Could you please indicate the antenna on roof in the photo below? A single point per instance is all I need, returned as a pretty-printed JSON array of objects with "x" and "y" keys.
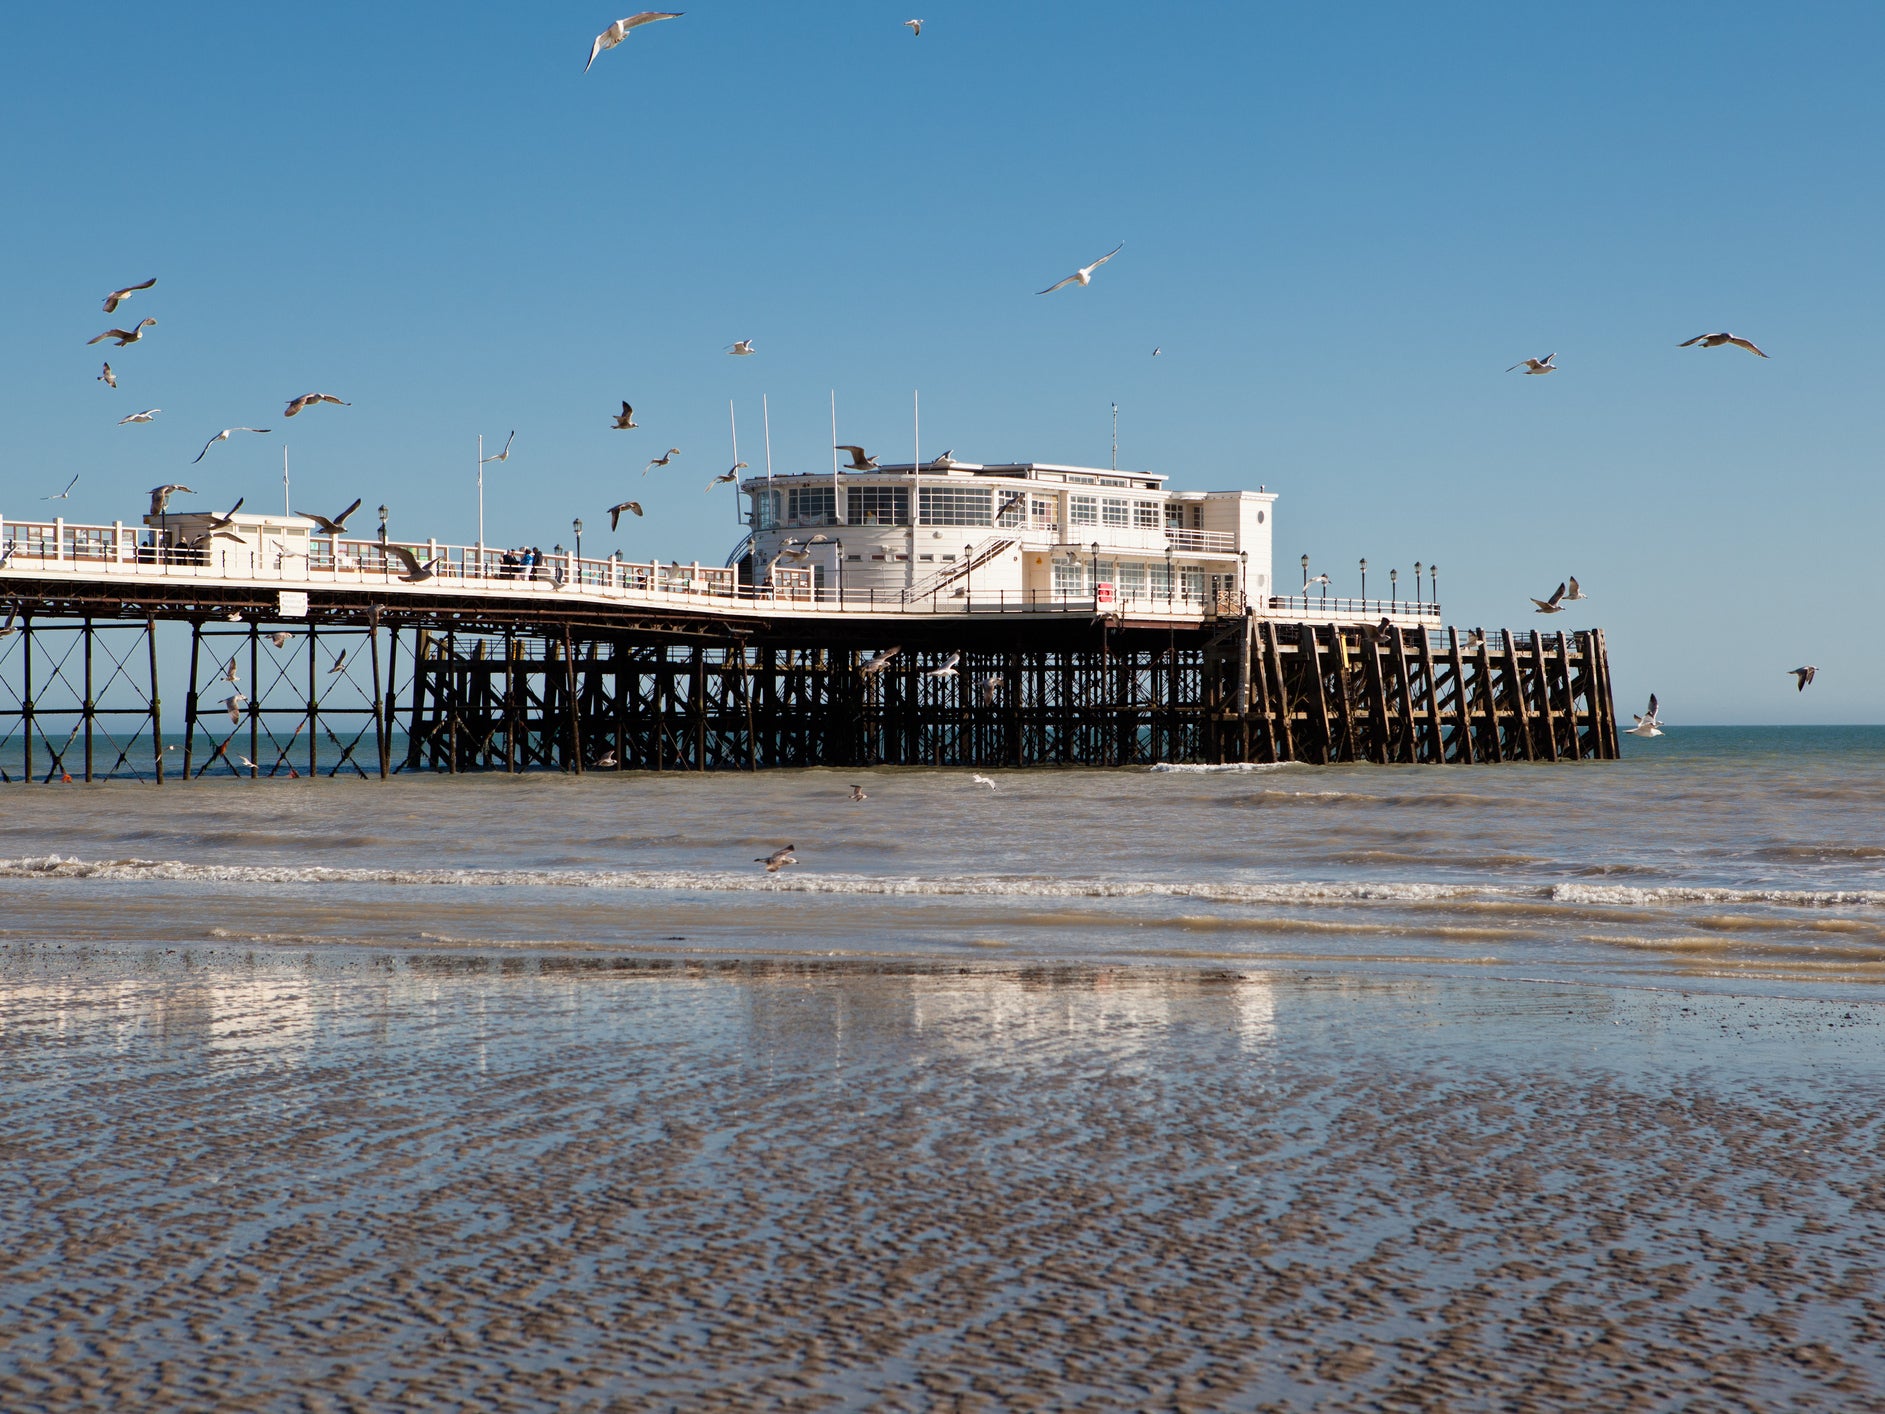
[
  {"x": 916, "y": 431},
  {"x": 285, "y": 508},
  {"x": 1115, "y": 436},
  {"x": 765, "y": 416},
  {"x": 837, "y": 493}
]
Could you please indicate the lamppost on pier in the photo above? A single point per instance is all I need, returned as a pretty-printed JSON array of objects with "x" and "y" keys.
[
  {"x": 1433, "y": 575},
  {"x": 1364, "y": 584},
  {"x": 1094, "y": 576},
  {"x": 1243, "y": 576},
  {"x": 577, "y": 526},
  {"x": 382, "y": 527},
  {"x": 839, "y": 562},
  {"x": 1417, "y": 600},
  {"x": 1394, "y": 581}
]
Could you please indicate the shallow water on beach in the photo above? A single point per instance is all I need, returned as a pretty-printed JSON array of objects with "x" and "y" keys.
[
  {"x": 1709, "y": 855},
  {"x": 1514, "y": 1087}
]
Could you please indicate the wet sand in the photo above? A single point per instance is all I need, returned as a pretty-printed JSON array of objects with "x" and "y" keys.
[{"x": 375, "y": 1179}]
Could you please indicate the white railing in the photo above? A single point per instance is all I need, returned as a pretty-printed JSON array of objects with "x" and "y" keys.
[
  {"x": 1326, "y": 608},
  {"x": 1208, "y": 542}
]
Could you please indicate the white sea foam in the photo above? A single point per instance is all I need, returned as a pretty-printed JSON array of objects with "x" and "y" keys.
[
  {"x": 974, "y": 886},
  {"x": 1180, "y": 768}
]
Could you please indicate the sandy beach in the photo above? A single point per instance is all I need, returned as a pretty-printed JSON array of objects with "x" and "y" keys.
[{"x": 378, "y": 1179}]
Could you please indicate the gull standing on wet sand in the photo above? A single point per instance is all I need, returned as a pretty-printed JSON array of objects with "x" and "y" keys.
[
  {"x": 778, "y": 859},
  {"x": 619, "y": 31},
  {"x": 1084, "y": 275}
]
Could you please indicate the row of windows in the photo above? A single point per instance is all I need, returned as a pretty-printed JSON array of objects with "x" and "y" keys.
[
  {"x": 955, "y": 505},
  {"x": 1130, "y": 579}
]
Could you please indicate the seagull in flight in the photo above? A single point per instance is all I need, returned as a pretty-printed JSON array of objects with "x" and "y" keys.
[
  {"x": 332, "y": 525},
  {"x": 280, "y": 640},
  {"x": 65, "y": 494},
  {"x": 947, "y": 670},
  {"x": 1804, "y": 676},
  {"x": 125, "y": 337},
  {"x": 505, "y": 455},
  {"x": 615, "y": 512},
  {"x": 625, "y": 419},
  {"x": 983, "y": 781},
  {"x": 877, "y": 664},
  {"x": 160, "y": 496},
  {"x": 618, "y": 31},
  {"x": 118, "y": 297},
  {"x": 233, "y": 703},
  {"x": 778, "y": 859},
  {"x": 1647, "y": 724},
  {"x": 308, "y": 400},
  {"x": 672, "y": 453},
  {"x": 219, "y": 524},
  {"x": 231, "y": 674},
  {"x": 990, "y": 686},
  {"x": 108, "y": 378},
  {"x": 339, "y": 663},
  {"x": 1537, "y": 365},
  {"x": 12, "y": 615},
  {"x": 915, "y": 27},
  {"x": 1321, "y": 579},
  {"x": 1575, "y": 593},
  {"x": 732, "y": 473},
  {"x": 857, "y": 794},
  {"x": 859, "y": 462},
  {"x": 144, "y": 416},
  {"x": 223, "y": 436},
  {"x": 1084, "y": 275},
  {"x": 1554, "y": 604},
  {"x": 1715, "y": 341},
  {"x": 740, "y": 348},
  {"x": 416, "y": 573}
]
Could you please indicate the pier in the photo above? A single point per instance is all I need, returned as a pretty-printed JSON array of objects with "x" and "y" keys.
[{"x": 312, "y": 654}]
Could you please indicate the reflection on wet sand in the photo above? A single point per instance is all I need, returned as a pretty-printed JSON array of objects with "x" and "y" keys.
[{"x": 354, "y": 1179}]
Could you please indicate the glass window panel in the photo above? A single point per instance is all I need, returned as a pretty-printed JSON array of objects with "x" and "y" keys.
[
  {"x": 1114, "y": 511},
  {"x": 1083, "y": 510},
  {"x": 955, "y": 505},
  {"x": 879, "y": 505}
]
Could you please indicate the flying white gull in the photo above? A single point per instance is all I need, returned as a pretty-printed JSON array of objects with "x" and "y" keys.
[
  {"x": 1575, "y": 593},
  {"x": 625, "y": 419},
  {"x": 778, "y": 859},
  {"x": 740, "y": 347},
  {"x": 118, "y": 297},
  {"x": 416, "y": 573},
  {"x": 340, "y": 663},
  {"x": 1804, "y": 676},
  {"x": 990, "y": 686},
  {"x": 879, "y": 662},
  {"x": 1553, "y": 605},
  {"x": 223, "y": 436},
  {"x": 1648, "y": 724},
  {"x": 857, "y": 793},
  {"x": 233, "y": 703},
  {"x": 160, "y": 496},
  {"x": 65, "y": 494},
  {"x": 615, "y": 512},
  {"x": 982, "y": 781},
  {"x": 731, "y": 474},
  {"x": 280, "y": 640},
  {"x": 108, "y": 378},
  {"x": 144, "y": 416},
  {"x": 915, "y": 27},
  {"x": 1715, "y": 341},
  {"x": 672, "y": 453},
  {"x": 125, "y": 337},
  {"x": 1537, "y": 365},
  {"x": 859, "y": 462},
  {"x": 308, "y": 400},
  {"x": 947, "y": 670},
  {"x": 618, "y": 31},
  {"x": 331, "y": 525},
  {"x": 1084, "y": 275}
]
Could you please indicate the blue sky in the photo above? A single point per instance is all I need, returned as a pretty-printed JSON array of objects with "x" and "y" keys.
[{"x": 1341, "y": 224}]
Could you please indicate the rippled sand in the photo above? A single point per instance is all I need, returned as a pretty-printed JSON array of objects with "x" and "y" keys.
[{"x": 372, "y": 1180}]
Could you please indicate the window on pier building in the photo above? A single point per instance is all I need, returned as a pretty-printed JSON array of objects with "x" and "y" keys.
[
  {"x": 956, "y": 505},
  {"x": 878, "y": 505},
  {"x": 811, "y": 505},
  {"x": 1073, "y": 577},
  {"x": 1114, "y": 511},
  {"x": 1083, "y": 510},
  {"x": 1009, "y": 510},
  {"x": 1174, "y": 515},
  {"x": 1191, "y": 583},
  {"x": 1042, "y": 512},
  {"x": 1158, "y": 581},
  {"x": 765, "y": 510},
  {"x": 1145, "y": 515},
  {"x": 1129, "y": 575}
]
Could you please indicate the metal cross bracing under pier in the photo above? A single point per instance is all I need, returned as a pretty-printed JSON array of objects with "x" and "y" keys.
[{"x": 356, "y": 690}]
